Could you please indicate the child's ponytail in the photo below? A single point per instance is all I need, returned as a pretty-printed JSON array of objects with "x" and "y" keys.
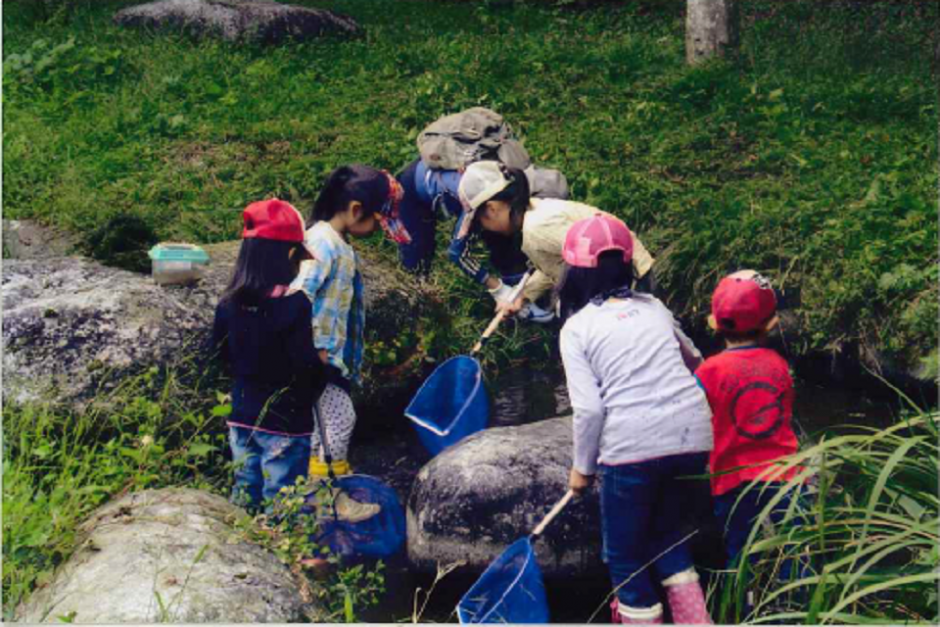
[{"x": 346, "y": 184}]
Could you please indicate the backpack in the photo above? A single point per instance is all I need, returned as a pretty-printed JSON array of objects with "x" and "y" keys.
[{"x": 455, "y": 141}]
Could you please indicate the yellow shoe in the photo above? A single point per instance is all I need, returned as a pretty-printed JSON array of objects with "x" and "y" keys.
[{"x": 318, "y": 469}]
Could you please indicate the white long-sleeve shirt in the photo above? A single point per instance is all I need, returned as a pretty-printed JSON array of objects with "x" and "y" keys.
[{"x": 629, "y": 371}]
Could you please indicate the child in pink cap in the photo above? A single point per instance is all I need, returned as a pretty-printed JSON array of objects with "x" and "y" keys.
[
  {"x": 640, "y": 422},
  {"x": 750, "y": 392}
]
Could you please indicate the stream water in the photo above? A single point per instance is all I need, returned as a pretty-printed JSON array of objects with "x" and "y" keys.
[{"x": 524, "y": 395}]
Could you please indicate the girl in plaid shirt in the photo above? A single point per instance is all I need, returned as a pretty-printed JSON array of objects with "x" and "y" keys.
[{"x": 355, "y": 201}]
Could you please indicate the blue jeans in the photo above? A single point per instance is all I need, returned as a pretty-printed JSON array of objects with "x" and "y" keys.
[
  {"x": 737, "y": 517},
  {"x": 644, "y": 512},
  {"x": 265, "y": 463}
]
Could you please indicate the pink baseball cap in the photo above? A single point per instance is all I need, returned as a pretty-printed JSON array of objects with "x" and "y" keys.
[
  {"x": 742, "y": 302},
  {"x": 273, "y": 219},
  {"x": 588, "y": 238}
]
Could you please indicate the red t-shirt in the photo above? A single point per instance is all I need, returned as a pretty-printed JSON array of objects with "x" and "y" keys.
[{"x": 751, "y": 395}]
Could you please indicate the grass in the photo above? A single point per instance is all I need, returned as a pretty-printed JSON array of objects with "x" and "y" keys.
[
  {"x": 813, "y": 158},
  {"x": 869, "y": 536}
]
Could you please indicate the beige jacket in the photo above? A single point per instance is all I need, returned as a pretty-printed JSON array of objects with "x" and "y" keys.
[{"x": 543, "y": 236}]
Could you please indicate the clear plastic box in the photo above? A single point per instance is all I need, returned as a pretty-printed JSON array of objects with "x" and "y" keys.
[{"x": 176, "y": 263}]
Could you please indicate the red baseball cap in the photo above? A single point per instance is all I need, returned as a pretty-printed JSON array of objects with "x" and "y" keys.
[
  {"x": 742, "y": 302},
  {"x": 273, "y": 219},
  {"x": 588, "y": 238}
]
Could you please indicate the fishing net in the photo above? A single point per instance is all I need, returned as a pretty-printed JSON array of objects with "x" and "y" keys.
[
  {"x": 451, "y": 404},
  {"x": 509, "y": 591},
  {"x": 378, "y": 536}
]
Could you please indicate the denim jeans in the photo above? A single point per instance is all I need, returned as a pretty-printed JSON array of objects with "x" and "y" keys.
[
  {"x": 644, "y": 512},
  {"x": 736, "y": 518},
  {"x": 265, "y": 463}
]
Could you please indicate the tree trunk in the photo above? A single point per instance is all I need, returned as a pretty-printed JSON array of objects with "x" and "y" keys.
[{"x": 711, "y": 29}]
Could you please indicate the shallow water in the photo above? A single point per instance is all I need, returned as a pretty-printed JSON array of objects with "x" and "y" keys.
[{"x": 522, "y": 396}]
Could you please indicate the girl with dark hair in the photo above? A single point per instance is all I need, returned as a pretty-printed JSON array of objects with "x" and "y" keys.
[
  {"x": 354, "y": 201},
  {"x": 640, "y": 422},
  {"x": 496, "y": 199},
  {"x": 264, "y": 334}
]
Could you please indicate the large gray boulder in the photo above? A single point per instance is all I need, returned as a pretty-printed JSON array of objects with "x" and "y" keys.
[
  {"x": 168, "y": 555},
  {"x": 73, "y": 326},
  {"x": 479, "y": 496},
  {"x": 263, "y": 21}
]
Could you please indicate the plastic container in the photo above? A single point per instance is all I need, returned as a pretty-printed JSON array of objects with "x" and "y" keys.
[
  {"x": 177, "y": 263},
  {"x": 451, "y": 404},
  {"x": 511, "y": 590}
]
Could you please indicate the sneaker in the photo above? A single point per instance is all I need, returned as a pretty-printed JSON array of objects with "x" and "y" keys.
[
  {"x": 350, "y": 510},
  {"x": 534, "y": 313}
]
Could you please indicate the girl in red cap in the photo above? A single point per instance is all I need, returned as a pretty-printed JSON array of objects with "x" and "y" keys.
[
  {"x": 640, "y": 422},
  {"x": 354, "y": 201},
  {"x": 264, "y": 334}
]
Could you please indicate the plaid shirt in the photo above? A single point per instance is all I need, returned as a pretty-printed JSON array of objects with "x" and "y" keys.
[{"x": 334, "y": 285}]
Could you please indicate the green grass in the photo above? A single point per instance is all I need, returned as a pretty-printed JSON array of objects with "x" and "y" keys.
[
  {"x": 812, "y": 159},
  {"x": 869, "y": 536}
]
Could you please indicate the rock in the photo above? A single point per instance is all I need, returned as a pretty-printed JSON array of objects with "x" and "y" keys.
[
  {"x": 263, "y": 21},
  {"x": 476, "y": 498},
  {"x": 168, "y": 555},
  {"x": 70, "y": 323},
  {"x": 479, "y": 496}
]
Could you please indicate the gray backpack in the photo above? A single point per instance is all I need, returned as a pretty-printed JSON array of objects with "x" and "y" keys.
[{"x": 455, "y": 141}]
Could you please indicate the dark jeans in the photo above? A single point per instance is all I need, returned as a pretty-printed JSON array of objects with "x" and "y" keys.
[
  {"x": 737, "y": 512},
  {"x": 644, "y": 512},
  {"x": 418, "y": 215}
]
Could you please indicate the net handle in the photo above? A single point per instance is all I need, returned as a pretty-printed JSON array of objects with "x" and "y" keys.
[
  {"x": 550, "y": 516},
  {"x": 495, "y": 322}
]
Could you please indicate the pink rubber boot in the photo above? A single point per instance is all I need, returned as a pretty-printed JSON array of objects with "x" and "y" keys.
[
  {"x": 622, "y": 614},
  {"x": 686, "y": 599}
]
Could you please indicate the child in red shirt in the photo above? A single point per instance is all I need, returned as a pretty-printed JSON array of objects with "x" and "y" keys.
[{"x": 751, "y": 395}]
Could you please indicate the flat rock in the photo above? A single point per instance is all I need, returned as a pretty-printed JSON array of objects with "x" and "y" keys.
[
  {"x": 479, "y": 496},
  {"x": 168, "y": 555},
  {"x": 263, "y": 21}
]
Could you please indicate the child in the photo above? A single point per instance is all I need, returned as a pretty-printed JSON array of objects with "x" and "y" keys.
[
  {"x": 264, "y": 333},
  {"x": 497, "y": 199},
  {"x": 429, "y": 191},
  {"x": 751, "y": 395},
  {"x": 640, "y": 422},
  {"x": 354, "y": 201}
]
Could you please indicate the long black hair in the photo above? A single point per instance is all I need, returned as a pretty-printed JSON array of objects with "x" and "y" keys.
[
  {"x": 346, "y": 184},
  {"x": 262, "y": 265},
  {"x": 579, "y": 285}
]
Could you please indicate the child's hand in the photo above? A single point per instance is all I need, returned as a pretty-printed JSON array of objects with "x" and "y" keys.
[
  {"x": 578, "y": 483},
  {"x": 511, "y": 308},
  {"x": 324, "y": 357}
]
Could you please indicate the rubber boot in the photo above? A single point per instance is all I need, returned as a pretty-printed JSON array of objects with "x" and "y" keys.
[
  {"x": 686, "y": 599},
  {"x": 626, "y": 615}
]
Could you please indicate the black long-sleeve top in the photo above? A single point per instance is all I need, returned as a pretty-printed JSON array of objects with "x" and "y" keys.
[{"x": 278, "y": 374}]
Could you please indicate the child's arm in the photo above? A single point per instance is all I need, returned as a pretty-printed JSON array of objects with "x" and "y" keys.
[
  {"x": 303, "y": 357},
  {"x": 219, "y": 341},
  {"x": 589, "y": 414},
  {"x": 313, "y": 274},
  {"x": 690, "y": 354}
]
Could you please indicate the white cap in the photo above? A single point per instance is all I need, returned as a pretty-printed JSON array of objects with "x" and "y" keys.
[{"x": 480, "y": 182}]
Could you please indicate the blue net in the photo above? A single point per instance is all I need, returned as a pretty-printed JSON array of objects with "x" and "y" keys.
[
  {"x": 379, "y": 536},
  {"x": 451, "y": 404},
  {"x": 509, "y": 591}
]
